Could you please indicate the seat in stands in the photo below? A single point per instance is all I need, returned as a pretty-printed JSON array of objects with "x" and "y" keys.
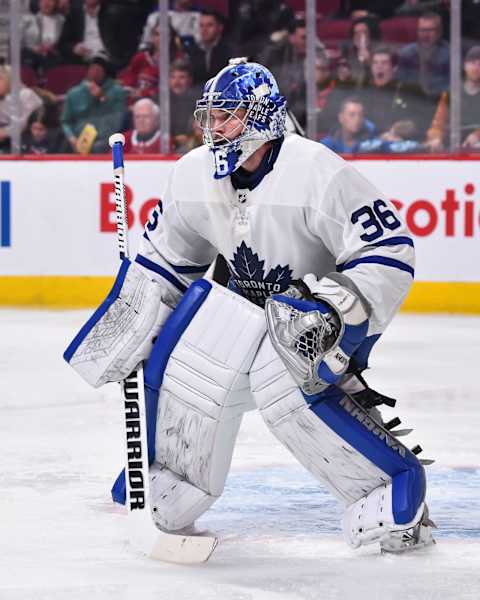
[
  {"x": 324, "y": 7},
  {"x": 337, "y": 30},
  {"x": 28, "y": 76},
  {"x": 399, "y": 30},
  {"x": 60, "y": 79}
]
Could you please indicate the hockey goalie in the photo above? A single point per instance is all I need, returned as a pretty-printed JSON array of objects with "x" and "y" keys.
[{"x": 319, "y": 264}]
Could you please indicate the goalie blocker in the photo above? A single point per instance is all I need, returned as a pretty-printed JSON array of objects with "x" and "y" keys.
[{"x": 210, "y": 379}]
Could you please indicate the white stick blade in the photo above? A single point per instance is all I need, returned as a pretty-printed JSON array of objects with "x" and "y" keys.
[
  {"x": 183, "y": 549},
  {"x": 162, "y": 545}
]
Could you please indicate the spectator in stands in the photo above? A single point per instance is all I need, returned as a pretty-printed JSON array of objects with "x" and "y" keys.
[
  {"x": 354, "y": 128},
  {"x": 213, "y": 52},
  {"x": 40, "y": 34},
  {"x": 5, "y": 26},
  {"x": 64, "y": 6},
  {"x": 192, "y": 140},
  {"x": 141, "y": 77},
  {"x": 330, "y": 94},
  {"x": 257, "y": 22},
  {"x": 364, "y": 33},
  {"x": 416, "y": 8},
  {"x": 380, "y": 8},
  {"x": 182, "y": 102},
  {"x": 470, "y": 21},
  {"x": 121, "y": 24},
  {"x": 470, "y": 113},
  {"x": 4, "y": 30},
  {"x": 398, "y": 139},
  {"x": 97, "y": 101},
  {"x": 426, "y": 61},
  {"x": 80, "y": 39},
  {"x": 184, "y": 20},
  {"x": 344, "y": 72},
  {"x": 40, "y": 137},
  {"x": 388, "y": 100},
  {"x": 286, "y": 59},
  {"x": 144, "y": 138},
  {"x": 29, "y": 102}
]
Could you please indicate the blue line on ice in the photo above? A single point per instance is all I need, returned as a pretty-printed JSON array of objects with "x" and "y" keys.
[{"x": 288, "y": 501}]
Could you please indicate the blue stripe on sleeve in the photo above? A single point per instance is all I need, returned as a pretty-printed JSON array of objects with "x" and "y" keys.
[
  {"x": 396, "y": 241},
  {"x": 378, "y": 260},
  {"x": 151, "y": 266},
  {"x": 185, "y": 269}
]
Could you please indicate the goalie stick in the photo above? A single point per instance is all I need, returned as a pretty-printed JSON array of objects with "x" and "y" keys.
[{"x": 143, "y": 533}]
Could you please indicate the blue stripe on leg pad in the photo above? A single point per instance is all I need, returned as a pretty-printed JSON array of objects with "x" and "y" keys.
[
  {"x": 156, "y": 364},
  {"x": 408, "y": 492},
  {"x": 354, "y": 425},
  {"x": 119, "y": 489}
]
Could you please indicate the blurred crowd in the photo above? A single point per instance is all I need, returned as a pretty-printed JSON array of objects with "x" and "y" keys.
[{"x": 90, "y": 67}]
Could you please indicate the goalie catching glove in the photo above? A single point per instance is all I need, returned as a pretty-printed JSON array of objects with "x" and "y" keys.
[{"x": 316, "y": 326}]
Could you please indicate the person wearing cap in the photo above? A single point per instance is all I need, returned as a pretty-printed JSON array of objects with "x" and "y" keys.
[
  {"x": 470, "y": 103},
  {"x": 98, "y": 101}
]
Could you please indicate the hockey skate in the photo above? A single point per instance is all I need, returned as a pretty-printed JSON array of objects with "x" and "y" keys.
[{"x": 414, "y": 538}]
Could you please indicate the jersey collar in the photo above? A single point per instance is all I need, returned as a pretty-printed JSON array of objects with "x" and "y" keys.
[{"x": 242, "y": 179}]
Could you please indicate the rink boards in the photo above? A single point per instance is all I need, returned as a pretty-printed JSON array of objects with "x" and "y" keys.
[{"x": 57, "y": 226}]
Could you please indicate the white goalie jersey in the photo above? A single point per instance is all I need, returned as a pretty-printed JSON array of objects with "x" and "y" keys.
[{"x": 312, "y": 213}]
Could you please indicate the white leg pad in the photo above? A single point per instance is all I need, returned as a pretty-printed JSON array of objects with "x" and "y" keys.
[
  {"x": 175, "y": 502},
  {"x": 318, "y": 435},
  {"x": 204, "y": 393},
  {"x": 348, "y": 474}
]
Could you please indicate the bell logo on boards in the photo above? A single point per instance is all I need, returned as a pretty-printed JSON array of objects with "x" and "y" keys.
[{"x": 5, "y": 233}]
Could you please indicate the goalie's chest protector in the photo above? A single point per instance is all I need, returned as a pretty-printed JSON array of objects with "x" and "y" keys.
[{"x": 266, "y": 234}]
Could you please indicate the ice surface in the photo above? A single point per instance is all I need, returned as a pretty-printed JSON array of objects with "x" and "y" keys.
[{"x": 61, "y": 447}]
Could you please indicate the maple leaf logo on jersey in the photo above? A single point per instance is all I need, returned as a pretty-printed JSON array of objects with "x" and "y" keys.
[{"x": 248, "y": 276}]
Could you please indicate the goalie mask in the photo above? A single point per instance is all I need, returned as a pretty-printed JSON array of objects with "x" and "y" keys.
[{"x": 243, "y": 100}]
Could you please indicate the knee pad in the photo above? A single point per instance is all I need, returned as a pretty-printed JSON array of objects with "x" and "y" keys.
[
  {"x": 204, "y": 391},
  {"x": 337, "y": 440}
]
